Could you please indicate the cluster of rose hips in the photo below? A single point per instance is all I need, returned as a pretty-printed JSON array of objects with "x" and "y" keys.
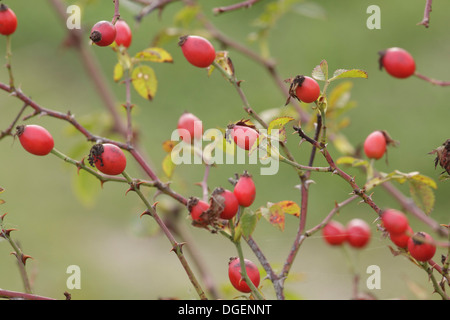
[
  {"x": 107, "y": 158},
  {"x": 104, "y": 33},
  {"x": 420, "y": 244},
  {"x": 356, "y": 233},
  {"x": 243, "y": 195}
]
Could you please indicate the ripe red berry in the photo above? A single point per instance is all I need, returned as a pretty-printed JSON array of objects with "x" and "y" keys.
[
  {"x": 334, "y": 233},
  {"x": 244, "y": 137},
  {"x": 196, "y": 208},
  {"x": 398, "y": 62},
  {"x": 394, "y": 221},
  {"x": 108, "y": 158},
  {"x": 198, "y": 51},
  {"x": 245, "y": 190},
  {"x": 358, "y": 233},
  {"x": 308, "y": 90},
  {"x": 8, "y": 20},
  {"x": 35, "y": 139},
  {"x": 123, "y": 34},
  {"x": 189, "y": 126},
  {"x": 401, "y": 239},
  {"x": 375, "y": 145},
  {"x": 420, "y": 246},
  {"x": 236, "y": 278},
  {"x": 230, "y": 204},
  {"x": 103, "y": 33}
]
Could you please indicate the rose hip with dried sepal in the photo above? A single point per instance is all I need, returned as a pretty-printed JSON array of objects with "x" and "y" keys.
[
  {"x": 108, "y": 158},
  {"x": 196, "y": 208},
  {"x": 243, "y": 134},
  {"x": 197, "y": 50},
  {"x": 8, "y": 20},
  {"x": 398, "y": 62},
  {"x": 421, "y": 246},
  {"x": 103, "y": 33},
  {"x": 35, "y": 139},
  {"x": 230, "y": 205}
]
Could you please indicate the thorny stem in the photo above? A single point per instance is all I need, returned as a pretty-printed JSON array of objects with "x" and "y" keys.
[
  {"x": 8, "y": 61},
  {"x": 21, "y": 258},
  {"x": 176, "y": 246},
  {"x": 244, "y": 4},
  {"x": 437, "y": 288},
  {"x": 116, "y": 12}
]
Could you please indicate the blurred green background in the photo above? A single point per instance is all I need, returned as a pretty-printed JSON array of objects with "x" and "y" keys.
[{"x": 119, "y": 254}]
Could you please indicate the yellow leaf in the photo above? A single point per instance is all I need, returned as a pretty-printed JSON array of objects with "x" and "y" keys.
[{"x": 144, "y": 81}]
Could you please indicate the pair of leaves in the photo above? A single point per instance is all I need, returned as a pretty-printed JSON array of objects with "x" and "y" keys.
[
  {"x": 320, "y": 72},
  {"x": 142, "y": 77}
]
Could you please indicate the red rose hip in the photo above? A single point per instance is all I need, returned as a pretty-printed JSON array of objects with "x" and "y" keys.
[
  {"x": 375, "y": 145},
  {"x": 123, "y": 34},
  {"x": 198, "y": 51},
  {"x": 196, "y": 208},
  {"x": 394, "y": 221},
  {"x": 397, "y": 62},
  {"x": 245, "y": 190},
  {"x": 189, "y": 127},
  {"x": 8, "y": 20},
  {"x": 401, "y": 239},
  {"x": 334, "y": 233},
  {"x": 108, "y": 158},
  {"x": 236, "y": 278},
  {"x": 230, "y": 204},
  {"x": 103, "y": 33},
  {"x": 421, "y": 246},
  {"x": 244, "y": 137},
  {"x": 308, "y": 90},
  {"x": 35, "y": 139},
  {"x": 358, "y": 233}
]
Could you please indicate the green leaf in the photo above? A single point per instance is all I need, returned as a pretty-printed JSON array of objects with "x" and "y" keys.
[
  {"x": 168, "y": 165},
  {"x": 353, "y": 73},
  {"x": 341, "y": 143},
  {"x": 279, "y": 124},
  {"x": 320, "y": 72},
  {"x": 423, "y": 195},
  {"x": 144, "y": 81},
  {"x": 248, "y": 222},
  {"x": 118, "y": 72},
  {"x": 154, "y": 55},
  {"x": 352, "y": 161},
  {"x": 340, "y": 95},
  {"x": 86, "y": 187}
]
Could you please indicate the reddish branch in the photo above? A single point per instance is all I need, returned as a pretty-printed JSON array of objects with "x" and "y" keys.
[
  {"x": 426, "y": 15},
  {"x": 244, "y": 4}
]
